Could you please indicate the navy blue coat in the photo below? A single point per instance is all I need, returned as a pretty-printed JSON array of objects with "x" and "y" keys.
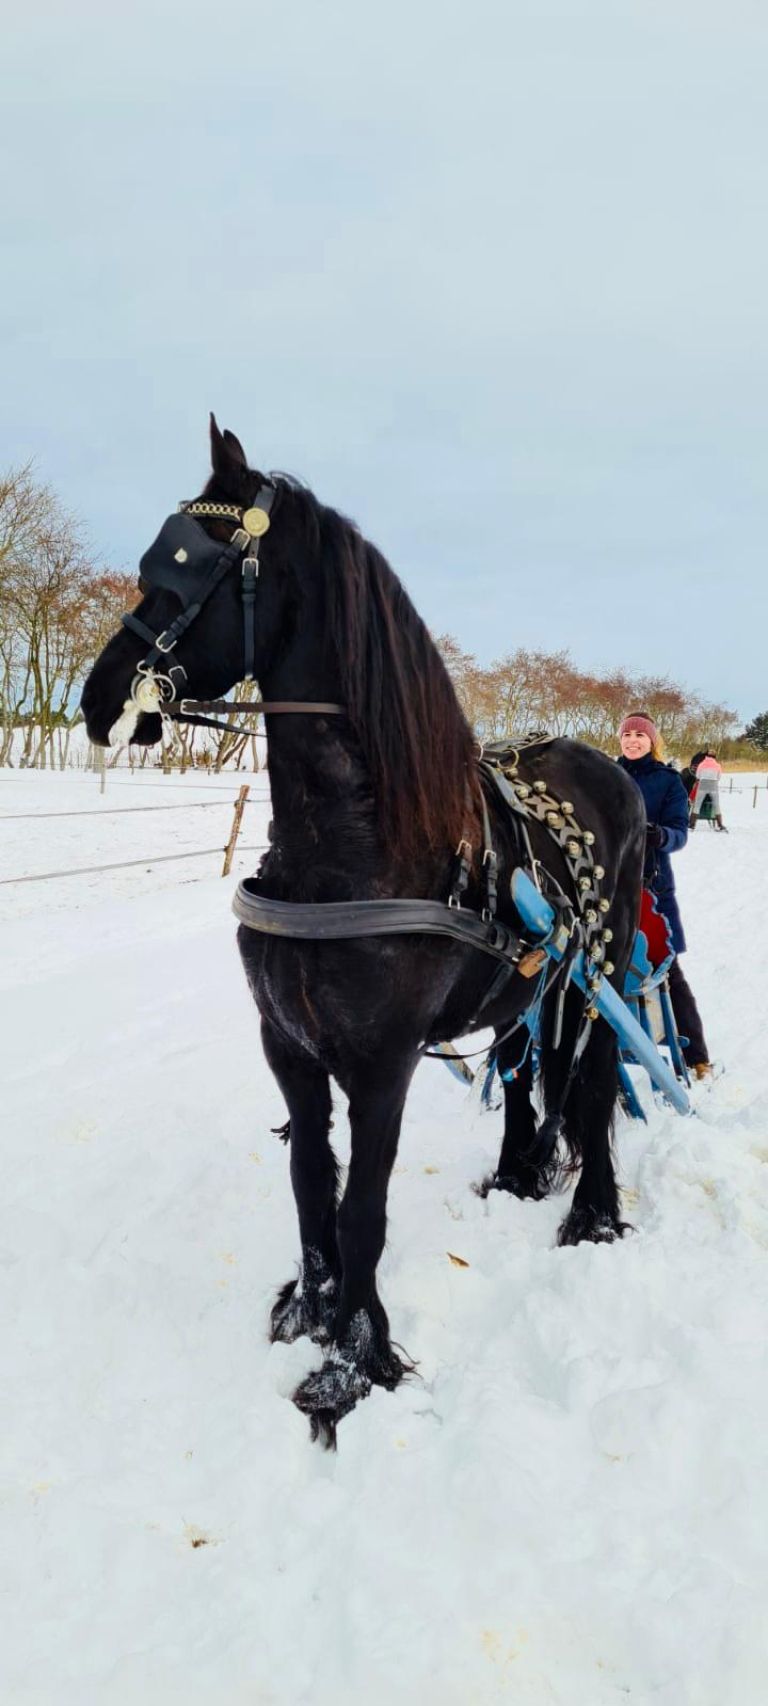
[{"x": 666, "y": 803}]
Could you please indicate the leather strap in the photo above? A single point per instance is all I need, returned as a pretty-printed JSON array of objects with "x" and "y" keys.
[
  {"x": 333, "y": 920},
  {"x": 259, "y": 707}
]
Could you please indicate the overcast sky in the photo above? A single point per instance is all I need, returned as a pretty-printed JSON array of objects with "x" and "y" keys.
[{"x": 491, "y": 277}]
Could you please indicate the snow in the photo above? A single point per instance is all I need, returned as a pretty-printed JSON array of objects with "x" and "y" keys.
[{"x": 567, "y": 1506}]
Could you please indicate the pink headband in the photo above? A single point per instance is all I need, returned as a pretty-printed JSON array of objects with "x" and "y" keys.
[{"x": 640, "y": 725}]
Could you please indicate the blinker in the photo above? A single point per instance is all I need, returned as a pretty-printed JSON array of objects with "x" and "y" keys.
[{"x": 181, "y": 558}]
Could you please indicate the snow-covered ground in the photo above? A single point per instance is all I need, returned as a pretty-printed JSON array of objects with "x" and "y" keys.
[{"x": 567, "y": 1508}]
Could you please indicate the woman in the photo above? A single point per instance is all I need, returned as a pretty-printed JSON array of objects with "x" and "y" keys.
[
  {"x": 706, "y": 800},
  {"x": 666, "y": 808}
]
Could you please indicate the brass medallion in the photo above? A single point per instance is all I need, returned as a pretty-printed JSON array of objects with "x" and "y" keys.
[{"x": 255, "y": 522}]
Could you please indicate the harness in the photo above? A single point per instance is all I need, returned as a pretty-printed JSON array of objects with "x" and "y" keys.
[
  {"x": 186, "y": 561},
  {"x": 575, "y": 925}
]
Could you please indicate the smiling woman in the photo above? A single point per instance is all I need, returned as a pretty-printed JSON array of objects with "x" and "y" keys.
[{"x": 666, "y": 805}]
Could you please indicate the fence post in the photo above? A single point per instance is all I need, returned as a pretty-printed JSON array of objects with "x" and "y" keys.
[
  {"x": 235, "y": 831},
  {"x": 754, "y": 797}
]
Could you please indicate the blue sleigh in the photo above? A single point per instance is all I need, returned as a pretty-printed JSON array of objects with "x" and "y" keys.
[{"x": 643, "y": 1021}]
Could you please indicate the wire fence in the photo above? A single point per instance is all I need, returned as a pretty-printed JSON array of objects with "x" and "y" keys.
[
  {"x": 242, "y": 799},
  {"x": 126, "y": 864}
]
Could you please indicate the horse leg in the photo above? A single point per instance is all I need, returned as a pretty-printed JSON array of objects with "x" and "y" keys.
[
  {"x": 515, "y": 1172},
  {"x": 307, "y": 1304},
  {"x": 361, "y": 1355},
  {"x": 588, "y": 1119}
]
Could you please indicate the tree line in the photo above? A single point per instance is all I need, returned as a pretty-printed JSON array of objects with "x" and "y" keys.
[
  {"x": 527, "y": 689},
  {"x": 59, "y": 606}
]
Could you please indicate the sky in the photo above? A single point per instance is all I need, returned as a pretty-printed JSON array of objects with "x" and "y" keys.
[{"x": 491, "y": 278}]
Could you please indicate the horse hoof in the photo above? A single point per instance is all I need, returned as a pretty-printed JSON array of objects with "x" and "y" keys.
[
  {"x": 588, "y": 1226},
  {"x": 329, "y": 1394},
  {"x": 295, "y": 1314},
  {"x": 364, "y": 1358},
  {"x": 528, "y": 1185}
]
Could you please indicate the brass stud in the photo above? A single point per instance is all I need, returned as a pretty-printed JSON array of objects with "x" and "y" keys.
[
  {"x": 588, "y": 838},
  {"x": 609, "y": 967},
  {"x": 585, "y": 883},
  {"x": 540, "y": 787},
  {"x": 567, "y": 806},
  {"x": 591, "y": 915},
  {"x": 604, "y": 905},
  {"x": 598, "y": 871},
  {"x": 592, "y": 1013},
  {"x": 607, "y": 935},
  {"x": 573, "y": 848}
]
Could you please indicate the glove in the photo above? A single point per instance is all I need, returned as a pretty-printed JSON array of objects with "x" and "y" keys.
[{"x": 654, "y": 837}]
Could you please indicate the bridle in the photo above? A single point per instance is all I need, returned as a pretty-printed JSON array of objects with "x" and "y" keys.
[{"x": 185, "y": 560}]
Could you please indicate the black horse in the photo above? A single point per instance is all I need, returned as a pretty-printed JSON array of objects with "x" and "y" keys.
[{"x": 367, "y": 805}]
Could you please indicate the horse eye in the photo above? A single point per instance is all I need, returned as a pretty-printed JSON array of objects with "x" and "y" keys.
[{"x": 143, "y": 587}]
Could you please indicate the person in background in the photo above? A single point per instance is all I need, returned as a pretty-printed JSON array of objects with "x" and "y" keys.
[
  {"x": 706, "y": 800},
  {"x": 688, "y": 775},
  {"x": 666, "y": 809}
]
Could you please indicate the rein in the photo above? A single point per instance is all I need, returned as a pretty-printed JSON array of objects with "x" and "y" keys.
[{"x": 189, "y": 711}]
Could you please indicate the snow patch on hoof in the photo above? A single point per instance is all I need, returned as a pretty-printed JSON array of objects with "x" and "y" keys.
[
  {"x": 587, "y": 1226},
  {"x": 528, "y": 1183},
  {"x": 306, "y": 1305},
  {"x": 365, "y": 1358}
]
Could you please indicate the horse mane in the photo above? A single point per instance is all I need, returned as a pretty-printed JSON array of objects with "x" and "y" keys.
[{"x": 401, "y": 702}]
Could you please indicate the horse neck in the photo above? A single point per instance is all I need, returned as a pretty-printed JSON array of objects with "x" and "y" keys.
[{"x": 323, "y": 810}]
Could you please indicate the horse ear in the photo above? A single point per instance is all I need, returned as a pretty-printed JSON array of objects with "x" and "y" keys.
[{"x": 227, "y": 454}]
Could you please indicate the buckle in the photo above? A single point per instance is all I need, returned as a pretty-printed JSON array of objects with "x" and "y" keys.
[{"x": 163, "y": 637}]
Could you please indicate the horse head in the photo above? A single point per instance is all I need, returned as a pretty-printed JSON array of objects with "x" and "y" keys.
[
  {"x": 220, "y": 592},
  {"x": 256, "y": 579}
]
